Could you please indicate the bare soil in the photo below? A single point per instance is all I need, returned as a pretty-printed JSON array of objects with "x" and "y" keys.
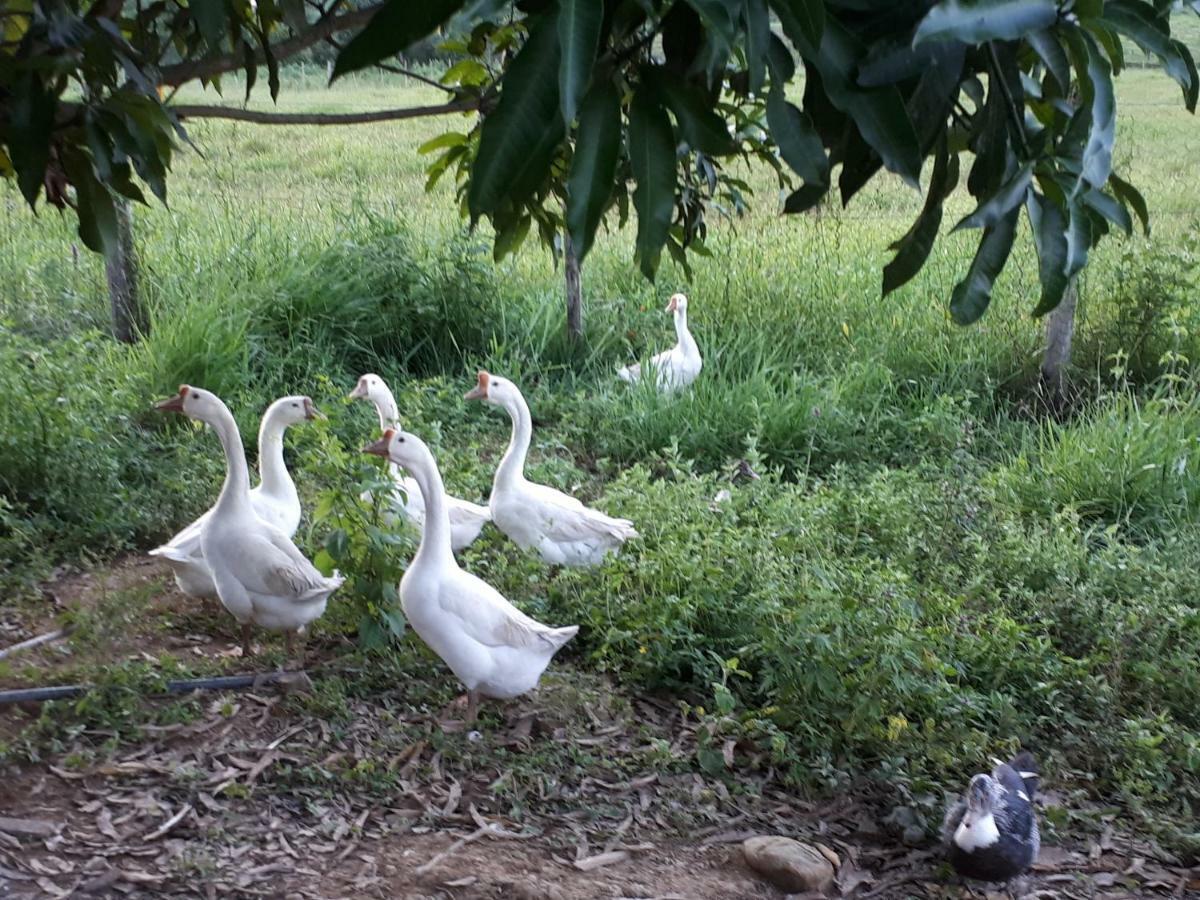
[{"x": 579, "y": 792}]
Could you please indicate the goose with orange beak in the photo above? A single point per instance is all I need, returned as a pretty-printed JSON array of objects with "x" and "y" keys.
[
  {"x": 561, "y": 529},
  {"x": 466, "y": 519},
  {"x": 495, "y": 649},
  {"x": 275, "y": 499},
  {"x": 672, "y": 369},
  {"x": 260, "y": 576}
]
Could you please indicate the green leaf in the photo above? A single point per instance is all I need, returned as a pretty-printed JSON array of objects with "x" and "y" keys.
[
  {"x": 758, "y": 41},
  {"x": 700, "y": 127},
  {"x": 449, "y": 139},
  {"x": 93, "y": 202},
  {"x": 1141, "y": 24},
  {"x": 211, "y": 19},
  {"x": 652, "y": 158},
  {"x": 1110, "y": 208},
  {"x": 879, "y": 113},
  {"x": 779, "y": 60},
  {"x": 913, "y": 249},
  {"x": 979, "y": 21},
  {"x": 578, "y": 37},
  {"x": 807, "y": 15},
  {"x": 467, "y": 72},
  {"x": 1001, "y": 203},
  {"x": 594, "y": 165},
  {"x": 1045, "y": 44},
  {"x": 719, "y": 15},
  {"x": 1132, "y": 197},
  {"x": 1079, "y": 237},
  {"x": 398, "y": 24},
  {"x": 973, "y": 294},
  {"x": 30, "y": 123},
  {"x": 1049, "y": 225},
  {"x": 799, "y": 144},
  {"x": 518, "y": 140},
  {"x": 1097, "y": 152}
]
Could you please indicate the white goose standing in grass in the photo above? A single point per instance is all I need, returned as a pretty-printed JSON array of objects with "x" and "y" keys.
[
  {"x": 559, "y": 527},
  {"x": 261, "y": 577},
  {"x": 274, "y": 500},
  {"x": 678, "y": 367},
  {"x": 495, "y": 649},
  {"x": 466, "y": 518},
  {"x": 991, "y": 834}
]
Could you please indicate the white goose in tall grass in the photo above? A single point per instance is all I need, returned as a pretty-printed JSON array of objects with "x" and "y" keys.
[
  {"x": 261, "y": 577},
  {"x": 495, "y": 649},
  {"x": 274, "y": 500},
  {"x": 559, "y": 527},
  {"x": 466, "y": 518},
  {"x": 678, "y": 367}
]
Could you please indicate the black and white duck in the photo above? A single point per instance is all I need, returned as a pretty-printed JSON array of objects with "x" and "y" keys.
[{"x": 991, "y": 833}]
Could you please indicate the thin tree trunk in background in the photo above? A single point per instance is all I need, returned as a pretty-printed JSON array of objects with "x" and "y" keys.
[
  {"x": 1056, "y": 359},
  {"x": 128, "y": 318},
  {"x": 574, "y": 290}
]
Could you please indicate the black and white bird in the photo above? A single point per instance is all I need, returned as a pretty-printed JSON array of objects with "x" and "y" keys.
[{"x": 991, "y": 833}]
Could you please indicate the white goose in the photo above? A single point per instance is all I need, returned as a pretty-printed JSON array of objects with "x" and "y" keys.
[
  {"x": 466, "y": 519},
  {"x": 275, "y": 499},
  {"x": 678, "y": 367},
  {"x": 261, "y": 577},
  {"x": 495, "y": 649},
  {"x": 558, "y": 526}
]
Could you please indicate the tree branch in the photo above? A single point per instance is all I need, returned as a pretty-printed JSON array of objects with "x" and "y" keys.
[
  {"x": 219, "y": 65},
  {"x": 185, "y": 111}
]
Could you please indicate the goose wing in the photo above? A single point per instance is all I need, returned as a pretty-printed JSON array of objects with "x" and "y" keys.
[
  {"x": 566, "y": 519},
  {"x": 487, "y": 617},
  {"x": 267, "y": 562}
]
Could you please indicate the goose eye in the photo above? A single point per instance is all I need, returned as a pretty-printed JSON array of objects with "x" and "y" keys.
[{"x": 400, "y": 440}]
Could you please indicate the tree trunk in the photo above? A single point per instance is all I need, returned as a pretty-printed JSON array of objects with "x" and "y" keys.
[
  {"x": 1056, "y": 358},
  {"x": 574, "y": 290},
  {"x": 128, "y": 318}
]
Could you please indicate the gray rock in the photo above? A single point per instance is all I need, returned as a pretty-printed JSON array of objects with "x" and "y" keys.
[{"x": 789, "y": 865}]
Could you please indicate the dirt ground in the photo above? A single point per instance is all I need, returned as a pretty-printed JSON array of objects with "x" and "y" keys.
[{"x": 579, "y": 792}]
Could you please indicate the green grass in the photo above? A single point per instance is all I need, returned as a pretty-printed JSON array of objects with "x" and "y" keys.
[{"x": 925, "y": 575}]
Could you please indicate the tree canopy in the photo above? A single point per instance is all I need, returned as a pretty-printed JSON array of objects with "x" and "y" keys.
[{"x": 586, "y": 106}]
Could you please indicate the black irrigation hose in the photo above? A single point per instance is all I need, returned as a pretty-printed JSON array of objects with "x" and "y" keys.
[{"x": 220, "y": 683}]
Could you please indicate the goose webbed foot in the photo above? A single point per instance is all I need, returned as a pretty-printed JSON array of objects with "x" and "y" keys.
[{"x": 246, "y": 652}]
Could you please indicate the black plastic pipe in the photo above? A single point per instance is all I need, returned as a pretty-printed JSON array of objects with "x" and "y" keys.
[{"x": 219, "y": 683}]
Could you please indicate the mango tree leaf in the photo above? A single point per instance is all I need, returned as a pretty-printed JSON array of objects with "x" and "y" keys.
[
  {"x": 594, "y": 165},
  {"x": 808, "y": 15},
  {"x": 1052, "y": 55},
  {"x": 879, "y": 113},
  {"x": 979, "y": 21},
  {"x": 1001, "y": 203},
  {"x": 719, "y": 15},
  {"x": 578, "y": 38},
  {"x": 518, "y": 140},
  {"x": 799, "y": 144},
  {"x": 702, "y": 128},
  {"x": 1049, "y": 226},
  {"x": 805, "y": 198},
  {"x": 973, "y": 294},
  {"x": 913, "y": 249},
  {"x": 448, "y": 139},
  {"x": 93, "y": 203},
  {"x": 652, "y": 158},
  {"x": 398, "y": 24},
  {"x": 1097, "y": 152},
  {"x": 1079, "y": 236},
  {"x": 210, "y": 18},
  {"x": 758, "y": 41},
  {"x": 1131, "y": 197},
  {"x": 779, "y": 60},
  {"x": 30, "y": 124},
  {"x": 1110, "y": 208}
]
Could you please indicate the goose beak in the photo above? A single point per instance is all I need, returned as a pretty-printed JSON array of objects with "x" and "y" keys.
[
  {"x": 380, "y": 447},
  {"x": 480, "y": 391},
  {"x": 673, "y": 303},
  {"x": 311, "y": 412},
  {"x": 359, "y": 392},
  {"x": 173, "y": 404}
]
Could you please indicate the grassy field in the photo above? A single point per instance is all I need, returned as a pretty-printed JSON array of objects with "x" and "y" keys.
[{"x": 927, "y": 572}]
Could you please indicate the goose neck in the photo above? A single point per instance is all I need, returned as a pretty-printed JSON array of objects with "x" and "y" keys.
[
  {"x": 276, "y": 480},
  {"x": 235, "y": 492},
  {"x": 435, "y": 534},
  {"x": 512, "y": 466}
]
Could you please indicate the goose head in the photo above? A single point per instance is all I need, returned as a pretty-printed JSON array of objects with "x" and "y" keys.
[
  {"x": 677, "y": 303},
  {"x": 195, "y": 403},
  {"x": 493, "y": 389},
  {"x": 294, "y": 410},
  {"x": 983, "y": 797},
  {"x": 399, "y": 447},
  {"x": 369, "y": 387}
]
